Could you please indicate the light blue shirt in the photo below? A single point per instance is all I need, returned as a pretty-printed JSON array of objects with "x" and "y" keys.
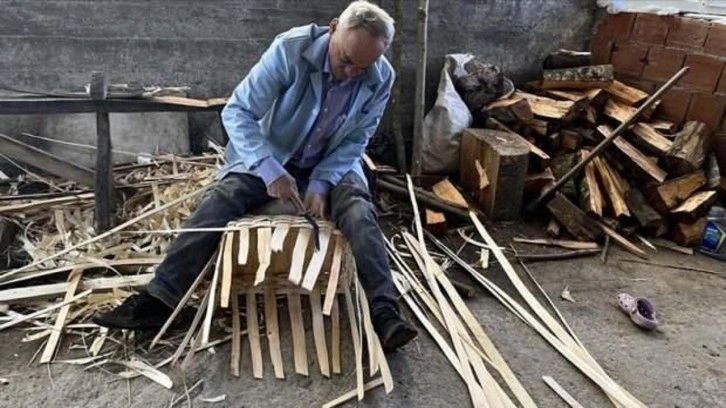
[{"x": 273, "y": 110}]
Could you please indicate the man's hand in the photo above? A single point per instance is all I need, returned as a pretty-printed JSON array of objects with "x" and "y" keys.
[
  {"x": 316, "y": 204},
  {"x": 285, "y": 187}
]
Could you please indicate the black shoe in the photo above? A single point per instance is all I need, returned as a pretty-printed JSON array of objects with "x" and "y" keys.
[
  {"x": 137, "y": 312},
  {"x": 393, "y": 331}
]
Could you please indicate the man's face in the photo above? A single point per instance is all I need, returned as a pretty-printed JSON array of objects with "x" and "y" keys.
[{"x": 352, "y": 51}]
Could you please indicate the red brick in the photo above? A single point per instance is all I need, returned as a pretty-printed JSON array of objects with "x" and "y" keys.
[
  {"x": 601, "y": 49},
  {"x": 650, "y": 28},
  {"x": 674, "y": 105},
  {"x": 629, "y": 58},
  {"x": 617, "y": 27},
  {"x": 708, "y": 109},
  {"x": 704, "y": 74},
  {"x": 722, "y": 85},
  {"x": 716, "y": 40},
  {"x": 662, "y": 63},
  {"x": 687, "y": 32}
]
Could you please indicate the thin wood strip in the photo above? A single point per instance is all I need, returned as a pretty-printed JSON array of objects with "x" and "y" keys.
[
  {"x": 192, "y": 350},
  {"x": 98, "y": 342},
  {"x": 370, "y": 334},
  {"x": 243, "y": 238},
  {"x": 334, "y": 276},
  {"x": 253, "y": 331},
  {"x": 263, "y": 253},
  {"x": 321, "y": 347},
  {"x": 25, "y": 318},
  {"x": 297, "y": 326},
  {"x": 207, "y": 328},
  {"x": 335, "y": 323},
  {"x": 236, "y": 337},
  {"x": 227, "y": 271},
  {"x": 623, "y": 242},
  {"x": 316, "y": 263},
  {"x": 107, "y": 263},
  {"x": 273, "y": 332},
  {"x": 352, "y": 393},
  {"x": 50, "y": 346},
  {"x": 557, "y": 388},
  {"x": 357, "y": 343},
  {"x": 298, "y": 255},
  {"x": 199, "y": 279},
  {"x": 203, "y": 305},
  {"x": 278, "y": 237}
]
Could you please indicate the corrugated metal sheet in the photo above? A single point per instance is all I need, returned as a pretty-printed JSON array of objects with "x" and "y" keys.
[{"x": 717, "y": 7}]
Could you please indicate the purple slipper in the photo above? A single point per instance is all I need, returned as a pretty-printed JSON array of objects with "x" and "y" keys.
[{"x": 640, "y": 310}]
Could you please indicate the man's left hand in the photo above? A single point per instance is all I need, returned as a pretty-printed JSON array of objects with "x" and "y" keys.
[{"x": 316, "y": 204}]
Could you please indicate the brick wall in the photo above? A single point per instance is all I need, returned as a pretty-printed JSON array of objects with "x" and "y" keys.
[{"x": 647, "y": 49}]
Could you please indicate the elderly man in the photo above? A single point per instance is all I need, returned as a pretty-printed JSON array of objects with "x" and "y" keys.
[{"x": 300, "y": 120}]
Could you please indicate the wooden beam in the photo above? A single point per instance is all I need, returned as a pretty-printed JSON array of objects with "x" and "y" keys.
[
  {"x": 593, "y": 76},
  {"x": 666, "y": 196},
  {"x": 695, "y": 207},
  {"x": 45, "y": 161}
]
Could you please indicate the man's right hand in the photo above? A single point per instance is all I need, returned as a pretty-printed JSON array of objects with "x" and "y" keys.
[{"x": 285, "y": 188}]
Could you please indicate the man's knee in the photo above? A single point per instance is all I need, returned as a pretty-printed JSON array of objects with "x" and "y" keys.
[{"x": 351, "y": 201}]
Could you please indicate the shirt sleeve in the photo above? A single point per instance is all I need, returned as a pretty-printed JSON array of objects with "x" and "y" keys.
[
  {"x": 269, "y": 169},
  {"x": 321, "y": 187}
]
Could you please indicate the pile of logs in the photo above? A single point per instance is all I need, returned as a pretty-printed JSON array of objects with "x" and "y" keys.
[{"x": 650, "y": 181}]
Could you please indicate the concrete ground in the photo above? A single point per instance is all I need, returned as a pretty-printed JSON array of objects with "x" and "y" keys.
[{"x": 681, "y": 365}]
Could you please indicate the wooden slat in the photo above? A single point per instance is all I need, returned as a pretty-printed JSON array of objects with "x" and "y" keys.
[
  {"x": 207, "y": 327},
  {"x": 357, "y": 342},
  {"x": 55, "y": 289},
  {"x": 649, "y": 170},
  {"x": 236, "y": 335},
  {"x": 626, "y": 94},
  {"x": 335, "y": 322},
  {"x": 298, "y": 255},
  {"x": 253, "y": 331},
  {"x": 203, "y": 305},
  {"x": 227, "y": 271},
  {"x": 370, "y": 334},
  {"x": 243, "y": 238},
  {"x": 316, "y": 263},
  {"x": 321, "y": 347},
  {"x": 74, "y": 279},
  {"x": 264, "y": 253},
  {"x": 273, "y": 332},
  {"x": 298, "y": 333},
  {"x": 561, "y": 392},
  {"x": 449, "y": 194},
  {"x": 278, "y": 237},
  {"x": 335, "y": 266}
]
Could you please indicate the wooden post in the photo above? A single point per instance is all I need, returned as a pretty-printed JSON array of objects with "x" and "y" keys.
[
  {"x": 420, "y": 101},
  {"x": 397, "y": 94},
  {"x": 104, "y": 177}
]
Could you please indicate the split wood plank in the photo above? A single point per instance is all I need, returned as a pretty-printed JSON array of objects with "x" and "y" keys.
[
  {"x": 316, "y": 263},
  {"x": 668, "y": 195},
  {"x": 575, "y": 221},
  {"x": 294, "y": 305},
  {"x": 321, "y": 347},
  {"x": 650, "y": 140},
  {"x": 243, "y": 238},
  {"x": 695, "y": 207},
  {"x": 298, "y": 255},
  {"x": 236, "y": 335},
  {"x": 355, "y": 335},
  {"x": 273, "y": 332},
  {"x": 688, "y": 151},
  {"x": 547, "y": 107},
  {"x": 449, "y": 194},
  {"x": 55, "y": 289},
  {"x": 264, "y": 253},
  {"x": 227, "y": 271},
  {"x": 558, "y": 243},
  {"x": 74, "y": 279},
  {"x": 207, "y": 325},
  {"x": 253, "y": 331},
  {"x": 510, "y": 110},
  {"x": 639, "y": 161},
  {"x": 335, "y": 267},
  {"x": 591, "y": 198},
  {"x": 688, "y": 234},
  {"x": 335, "y": 335},
  {"x": 615, "y": 195},
  {"x": 626, "y": 94},
  {"x": 623, "y": 242}
]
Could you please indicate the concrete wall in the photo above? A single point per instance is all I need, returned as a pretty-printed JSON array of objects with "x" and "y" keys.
[{"x": 209, "y": 45}]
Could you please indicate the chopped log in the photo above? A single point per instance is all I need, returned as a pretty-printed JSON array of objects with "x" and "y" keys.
[
  {"x": 547, "y": 107},
  {"x": 449, "y": 194},
  {"x": 560, "y": 166},
  {"x": 645, "y": 168},
  {"x": 504, "y": 158},
  {"x": 593, "y": 76},
  {"x": 597, "y": 97},
  {"x": 688, "y": 234},
  {"x": 575, "y": 221},
  {"x": 538, "y": 158},
  {"x": 436, "y": 222},
  {"x": 591, "y": 115},
  {"x": 623, "y": 242},
  {"x": 621, "y": 112},
  {"x": 570, "y": 140},
  {"x": 695, "y": 207},
  {"x": 570, "y": 95},
  {"x": 553, "y": 228},
  {"x": 666, "y": 196},
  {"x": 614, "y": 192},
  {"x": 534, "y": 183},
  {"x": 687, "y": 153},
  {"x": 553, "y": 141},
  {"x": 541, "y": 127},
  {"x": 561, "y": 59},
  {"x": 626, "y": 94},
  {"x": 510, "y": 110},
  {"x": 650, "y": 140},
  {"x": 664, "y": 125},
  {"x": 591, "y": 199},
  {"x": 647, "y": 217}
]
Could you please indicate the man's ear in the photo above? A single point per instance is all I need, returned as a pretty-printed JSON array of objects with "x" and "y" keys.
[{"x": 333, "y": 25}]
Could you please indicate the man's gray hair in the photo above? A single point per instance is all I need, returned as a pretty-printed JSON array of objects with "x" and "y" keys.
[{"x": 362, "y": 14}]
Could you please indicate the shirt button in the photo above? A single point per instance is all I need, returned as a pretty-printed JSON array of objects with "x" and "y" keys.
[{"x": 325, "y": 110}]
